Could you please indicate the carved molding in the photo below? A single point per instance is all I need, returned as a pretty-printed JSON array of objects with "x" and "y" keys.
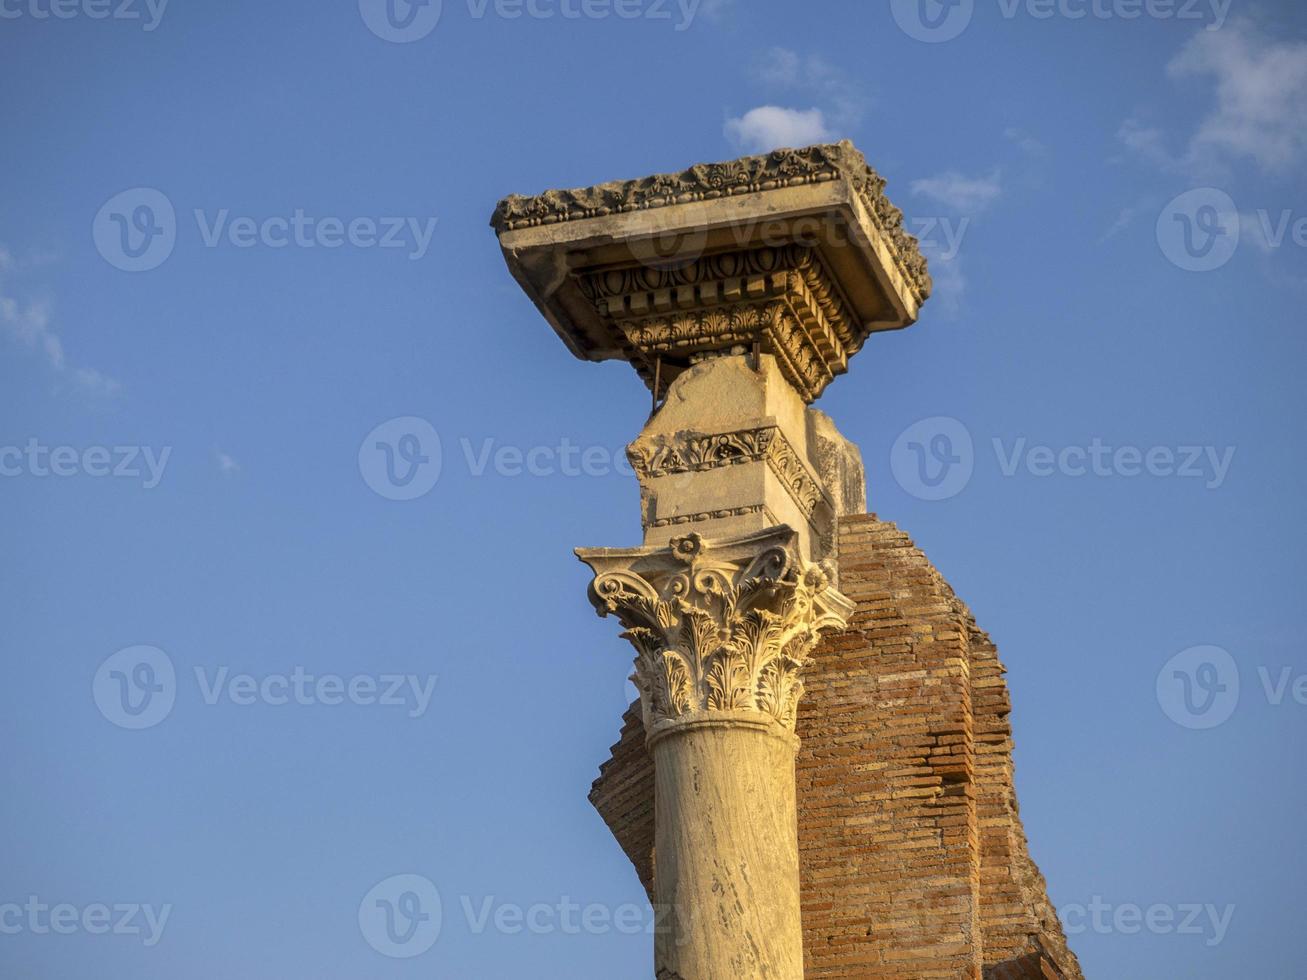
[
  {"x": 708, "y": 515},
  {"x": 706, "y": 181},
  {"x": 692, "y": 452},
  {"x": 718, "y": 626}
]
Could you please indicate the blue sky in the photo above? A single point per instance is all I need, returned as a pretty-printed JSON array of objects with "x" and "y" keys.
[{"x": 1114, "y": 209}]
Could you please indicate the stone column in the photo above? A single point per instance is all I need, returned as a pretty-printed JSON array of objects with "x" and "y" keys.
[
  {"x": 722, "y": 631},
  {"x": 738, "y": 291}
]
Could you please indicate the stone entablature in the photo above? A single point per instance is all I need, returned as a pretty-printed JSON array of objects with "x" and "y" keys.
[
  {"x": 796, "y": 254},
  {"x": 708, "y": 181}
]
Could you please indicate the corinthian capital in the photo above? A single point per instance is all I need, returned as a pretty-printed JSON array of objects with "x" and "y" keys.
[{"x": 718, "y": 626}]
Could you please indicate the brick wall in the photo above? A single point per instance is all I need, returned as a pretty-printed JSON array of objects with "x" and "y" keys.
[{"x": 912, "y": 855}]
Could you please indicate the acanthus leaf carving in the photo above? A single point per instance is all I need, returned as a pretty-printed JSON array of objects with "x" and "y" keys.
[{"x": 718, "y": 626}]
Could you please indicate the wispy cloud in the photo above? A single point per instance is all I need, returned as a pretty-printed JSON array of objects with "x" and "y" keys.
[
  {"x": 227, "y": 465},
  {"x": 837, "y": 103},
  {"x": 717, "y": 11},
  {"x": 1260, "y": 110},
  {"x": 968, "y": 195},
  {"x": 769, "y": 127},
  {"x": 1025, "y": 141},
  {"x": 842, "y": 99},
  {"x": 27, "y": 323}
]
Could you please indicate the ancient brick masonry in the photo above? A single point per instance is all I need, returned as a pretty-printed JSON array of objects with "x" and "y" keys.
[{"x": 913, "y": 860}]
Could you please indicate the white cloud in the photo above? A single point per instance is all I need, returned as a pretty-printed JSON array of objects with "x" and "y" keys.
[
  {"x": 1124, "y": 219},
  {"x": 1149, "y": 143},
  {"x": 28, "y": 324},
  {"x": 770, "y": 127},
  {"x": 227, "y": 465},
  {"x": 1260, "y": 112},
  {"x": 717, "y": 11},
  {"x": 1028, "y": 143},
  {"x": 1261, "y": 94},
  {"x": 843, "y": 100},
  {"x": 959, "y": 192},
  {"x": 93, "y": 381},
  {"x": 779, "y": 66}
]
